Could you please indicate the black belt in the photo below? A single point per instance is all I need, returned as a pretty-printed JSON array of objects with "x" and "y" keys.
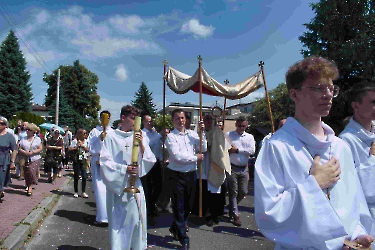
[{"x": 234, "y": 165}]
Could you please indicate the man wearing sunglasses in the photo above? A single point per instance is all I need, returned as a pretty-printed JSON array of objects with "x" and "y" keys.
[
  {"x": 243, "y": 146},
  {"x": 307, "y": 193}
]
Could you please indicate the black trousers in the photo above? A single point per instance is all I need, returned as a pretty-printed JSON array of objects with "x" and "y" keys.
[
  {"x": 152, "y": 185},
  {"x": 182, "y": 186},
  {"x": 79, "y": 168},
  {"x": 212, "y": 203}
]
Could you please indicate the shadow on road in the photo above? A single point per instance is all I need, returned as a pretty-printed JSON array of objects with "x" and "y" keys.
[
  {"x": 76, "y": 216},
  {"x": 241, "y": 232},
  {"x": 161, "y": 241},
  {"x": 61, "y": 192},
  {"x": 67, "y": 247}
]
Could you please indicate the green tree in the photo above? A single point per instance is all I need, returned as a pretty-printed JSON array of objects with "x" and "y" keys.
[
  {"x": 282, "y": 107},
  {"x": 79, "y": 86},
  {"x": 343, "y": 31},
  {"x": 15, "y": 91},
  {"x": 116, "y": 123},
  {"x": 26, "y": 116},
  {"x": 143, "y": 101},
  {"x": 158, "y": 122}
]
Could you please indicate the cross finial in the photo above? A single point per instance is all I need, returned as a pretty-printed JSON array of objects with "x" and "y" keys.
[
  {"x": 226, "y": 81},
  {"x": 261, "y": 64},
  {"x": 165, "y": 62}
]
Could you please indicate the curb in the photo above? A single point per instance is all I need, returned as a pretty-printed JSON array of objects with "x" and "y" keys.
[{"x": 17, "y": 238}]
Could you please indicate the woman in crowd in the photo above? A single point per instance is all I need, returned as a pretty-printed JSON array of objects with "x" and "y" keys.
[
  {"x": 17, "y": 131},
  {"x": 53, "y": 158},
  {"x": 7, "y": 144},
  {"x": 79, "y": 150},
  {"x": 30, "y": 147}
]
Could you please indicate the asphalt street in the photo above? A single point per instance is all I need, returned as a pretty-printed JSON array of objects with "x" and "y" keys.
[{"x": 71, "y": 226}]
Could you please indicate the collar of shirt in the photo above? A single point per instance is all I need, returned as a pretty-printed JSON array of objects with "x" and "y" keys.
[{"x": 177, "y": 132}]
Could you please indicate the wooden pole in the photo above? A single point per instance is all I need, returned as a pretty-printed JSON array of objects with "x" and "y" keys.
[
  {"x": 200, "y": 136},
  {"x": 225, "y": 104},
  {"x": 261, "y": 64},
  {"x": 164, "y": 102}
]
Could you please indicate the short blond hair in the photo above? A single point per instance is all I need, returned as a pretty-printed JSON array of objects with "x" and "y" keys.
[{"x": 33, "y": 127}]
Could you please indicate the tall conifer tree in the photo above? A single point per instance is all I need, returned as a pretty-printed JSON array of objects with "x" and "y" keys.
[
  {"x": 144, "y": 101},
  {"x": 15, "y": 91}
]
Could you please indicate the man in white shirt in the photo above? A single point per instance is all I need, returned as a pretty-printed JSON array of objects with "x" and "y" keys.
[
  {"x": 359, "y": 135},
  {"x": 243, "y": 146},
  {"x": 307, "y": 192},
  {"x": 181, "y": 144},
  {"x": 152, "y": 182}
]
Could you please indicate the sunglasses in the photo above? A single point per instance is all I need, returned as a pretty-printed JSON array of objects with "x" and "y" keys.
[
  {"x": 242, "y": 126},
  {"x": 3, "y": 123}
]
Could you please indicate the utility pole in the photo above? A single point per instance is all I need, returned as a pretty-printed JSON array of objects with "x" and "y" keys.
[{"x": 57, "y": 98}]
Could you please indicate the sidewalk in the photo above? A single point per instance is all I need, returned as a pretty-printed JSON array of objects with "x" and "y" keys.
[{"x": 17, "y": 205}]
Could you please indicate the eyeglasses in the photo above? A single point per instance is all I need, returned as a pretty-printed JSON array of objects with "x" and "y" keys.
[
  {"x": 3, "y": 123},
  {"x": 320, "y": 89},
  {"x": 241, "y": 126},
  {"x": 28, "y": 129}
]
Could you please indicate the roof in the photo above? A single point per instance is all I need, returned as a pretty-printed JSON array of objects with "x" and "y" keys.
[{"x": 36, "y": 107}]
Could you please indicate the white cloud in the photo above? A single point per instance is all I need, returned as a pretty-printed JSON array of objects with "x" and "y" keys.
[
  {"x": 113, "y": 107},
  {"x": 121, "y": 73},
  {"x": 108, "y": 47},
  {"x": 32, "y": 59},
  {"x": 130, "y": 24},
  {"x": 199, "y": 30},
  {"x": 42, "y": 17}
]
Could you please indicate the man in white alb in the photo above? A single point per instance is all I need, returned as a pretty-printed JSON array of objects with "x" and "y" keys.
[
  {"x": 307, "y": 192},
  {"x": 359, "y": 135},
  {"x": 95, "y": 142},
  {"x": 127, "y": 221}
]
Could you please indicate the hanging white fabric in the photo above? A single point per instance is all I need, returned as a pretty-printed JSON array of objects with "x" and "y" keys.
[{"x": 181, "y": 83}]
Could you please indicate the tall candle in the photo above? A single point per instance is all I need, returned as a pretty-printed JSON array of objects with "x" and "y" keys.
[{"x": 135, "y": 149}]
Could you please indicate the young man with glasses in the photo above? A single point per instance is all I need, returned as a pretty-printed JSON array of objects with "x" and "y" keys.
[
  {"x": 242, "y": 147},
  {"x": 359, "y": 135},
  {"x": 307, "y": 193}
]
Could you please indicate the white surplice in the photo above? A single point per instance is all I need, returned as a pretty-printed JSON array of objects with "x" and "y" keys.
[
  {"x": 290, "y": 207},
  {"x": 359, "y": 141},
  {"x": 127, "y": 223},
  {"x": 100, "y": 190}
]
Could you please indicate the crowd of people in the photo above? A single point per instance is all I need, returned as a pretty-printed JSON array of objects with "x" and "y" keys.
[
  {"x": 313, "y": 190},
  {"x": 25, "y": 151}
]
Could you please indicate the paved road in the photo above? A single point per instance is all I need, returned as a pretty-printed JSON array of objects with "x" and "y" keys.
[{"x": 70, "y": 226}]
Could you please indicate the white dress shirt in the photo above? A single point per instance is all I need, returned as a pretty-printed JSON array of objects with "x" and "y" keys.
[
  {"x": 245, "y": 144},
  {"x": 183, "y": 149},
  {"x": 153, "y": 139}
]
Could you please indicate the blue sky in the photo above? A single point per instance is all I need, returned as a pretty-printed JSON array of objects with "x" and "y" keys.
[{"x": 125, "y": 43}]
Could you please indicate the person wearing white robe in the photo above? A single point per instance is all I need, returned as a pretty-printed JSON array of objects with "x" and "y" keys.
[
  {"x": 307, "y": 192},
  {"x": 127, "y": 221},
  {"x": 100, "y": 191},
  {"x": 359, "y": 135}
]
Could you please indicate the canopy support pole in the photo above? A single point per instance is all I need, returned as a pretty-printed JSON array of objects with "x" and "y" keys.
[
  {"x": 225, "y": 105},
  {"x": 164, "y": 103},
  {"x": 261, "y": 64},
  {"x": 200, "y": 136}
]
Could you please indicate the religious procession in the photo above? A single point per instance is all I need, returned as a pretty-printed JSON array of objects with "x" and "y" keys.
[{"x": 312, "y": 189}]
